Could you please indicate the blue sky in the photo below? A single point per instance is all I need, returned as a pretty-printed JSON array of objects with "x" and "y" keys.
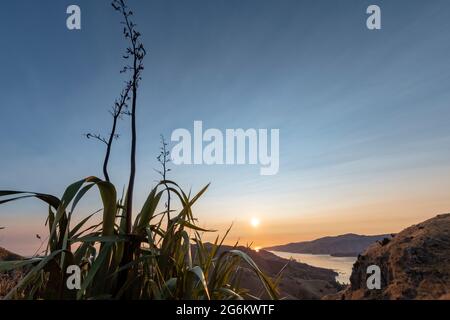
[{"x": 363, "y": 115}]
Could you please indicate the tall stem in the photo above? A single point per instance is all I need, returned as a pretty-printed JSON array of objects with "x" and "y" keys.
[
  {"x": 137, "y": 52},
  {"x": 136, "y": 72},
  {"x": 132, "y": 163},
  {"x": 108, "y": 149}
]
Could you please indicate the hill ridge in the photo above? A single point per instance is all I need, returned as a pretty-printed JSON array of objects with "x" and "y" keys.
[{"x": 349, "y": 244}]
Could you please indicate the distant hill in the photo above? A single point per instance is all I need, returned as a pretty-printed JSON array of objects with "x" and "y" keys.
[
  {"x": 298, "y": 281},
  {"x": 6, "y": 255},
  {"x": 348, "y": 245}
]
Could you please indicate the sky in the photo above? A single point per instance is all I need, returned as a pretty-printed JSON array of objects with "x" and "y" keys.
[{"x": 363, "y": 114}]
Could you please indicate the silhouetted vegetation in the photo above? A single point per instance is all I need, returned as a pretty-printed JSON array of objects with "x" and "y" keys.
[{"x": 159, "y": 254}]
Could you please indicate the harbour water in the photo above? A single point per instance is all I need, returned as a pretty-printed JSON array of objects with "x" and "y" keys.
[{"x": 342, "y": 265}]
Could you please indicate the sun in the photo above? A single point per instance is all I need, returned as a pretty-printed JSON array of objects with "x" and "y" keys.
[{"x": 255, "y": 222}]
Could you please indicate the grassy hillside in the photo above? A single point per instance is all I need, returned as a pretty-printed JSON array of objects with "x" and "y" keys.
[
  {"x": 6, "y": 255},
  {"x": 295, "y": 280}
]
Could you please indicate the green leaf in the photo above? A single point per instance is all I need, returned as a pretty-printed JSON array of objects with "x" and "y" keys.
[
  {"x": 189, "y": 225},
  {"x": 95, "y": 267},
  {"x": 148, "y": 209},
  {"x": 74, "y": 231},
  {"x": 12, "y": 265},
  {"x": 201, "y": 277},
  {"x": 268, "y": 285}
]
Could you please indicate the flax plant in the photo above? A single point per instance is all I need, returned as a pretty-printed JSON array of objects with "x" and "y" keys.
[{"x": 157, "y": 255}]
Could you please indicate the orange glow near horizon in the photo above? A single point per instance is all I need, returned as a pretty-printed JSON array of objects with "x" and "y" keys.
[{"x": 302, "y": 219}]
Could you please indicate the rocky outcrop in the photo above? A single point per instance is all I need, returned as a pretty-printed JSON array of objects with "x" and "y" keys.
[{"x": 415, "y": 264}]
